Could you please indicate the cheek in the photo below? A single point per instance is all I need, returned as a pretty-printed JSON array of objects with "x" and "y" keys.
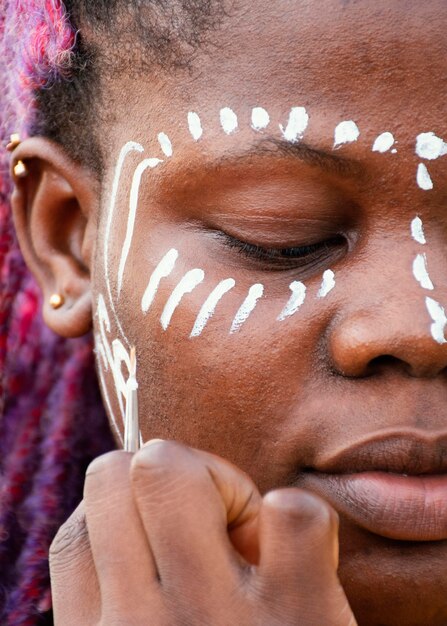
[{"x": 226, "y": 368}]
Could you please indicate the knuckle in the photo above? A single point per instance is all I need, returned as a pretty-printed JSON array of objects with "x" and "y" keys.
[{"x": 71, "y": 538}]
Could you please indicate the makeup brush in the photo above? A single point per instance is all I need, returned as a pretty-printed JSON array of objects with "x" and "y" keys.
[{"x": 132, "y": 424}]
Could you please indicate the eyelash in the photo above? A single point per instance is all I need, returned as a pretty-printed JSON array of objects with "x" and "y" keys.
[{"x": 286, "y": 258}]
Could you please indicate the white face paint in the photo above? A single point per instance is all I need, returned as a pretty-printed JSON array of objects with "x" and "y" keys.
[
  {"x": 228, "y": 120},
  {"x": 165, "y": 144},
  {"x": 296, "y": 126},
  {"x": 327, "y": 284},
  {"x": 133, "y": 205},
  {"x": 260, "y": 119},
  {"x": 195, "y": 126},
  {"x": 423, "y": 178},
  {"x": 209, "y": 307},
  {"x": 439, "y": 318},
  {"x": 383, "y": 143},
  {"x": 254, "y": 295},
  {"x": 188, "y": 283},
  {"x": 430, "y": 147},
  {"x": 129, "y": 147},
  {"x": 417, "y": 231},
  {"x": 420, "y": 272},
  {"x": 296, "y": 300},
  {"x": 346, "y": 132},
  {"x": 163, "y": 270}
]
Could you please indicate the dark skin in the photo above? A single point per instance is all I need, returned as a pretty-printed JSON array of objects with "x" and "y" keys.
[{"x": 281, "y": 400}]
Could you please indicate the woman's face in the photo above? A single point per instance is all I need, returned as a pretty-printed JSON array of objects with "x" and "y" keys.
[{"x": 284, "y": 294}]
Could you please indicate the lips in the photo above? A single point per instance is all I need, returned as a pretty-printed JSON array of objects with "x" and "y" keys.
[{"x": 393, "y": 485}]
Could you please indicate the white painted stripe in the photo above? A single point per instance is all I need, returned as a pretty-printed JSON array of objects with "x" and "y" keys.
[
  {"x": 437, "y": 313},
  {"x": 255, "y": 293},
  {"x": 327, "y": 284},
  {"x": 129, "y": 147},
  {"x": 163, "y": 270},
  {"x": 133, "y": 205},
  {"x": 421, "y": 273},
  {"x": 188, "y": 283},
  {"x": 296, "y": 300},
  {"x": 208, "y": 309}
]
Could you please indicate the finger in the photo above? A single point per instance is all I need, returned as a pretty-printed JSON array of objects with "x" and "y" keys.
[
  {"x": 74, "y": 585},
  {"x": 187, "y": 499},
  {"x": 123, "y": 560},
  {"x": 299, "y": 556}
]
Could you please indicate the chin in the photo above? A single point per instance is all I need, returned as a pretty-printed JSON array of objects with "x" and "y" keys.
[{"x": 393, "y": 583}]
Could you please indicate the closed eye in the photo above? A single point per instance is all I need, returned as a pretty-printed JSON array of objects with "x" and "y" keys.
[{"x": 281, "y": 259}]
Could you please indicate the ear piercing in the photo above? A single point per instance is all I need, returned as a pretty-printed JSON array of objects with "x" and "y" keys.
[
  {"x": 20, "y": 169},
  {"x": 14, "y": 141},
  {"x": 57, "y": 301}
]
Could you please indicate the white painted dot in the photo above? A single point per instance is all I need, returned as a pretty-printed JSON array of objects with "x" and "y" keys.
[
  {"x": 260, "y": 118},
  {"x": 383, "y": 143},
  {"x": 228, "y": 120},
  {"x": 423, "y": 178},
  {"x": 417, "y": 231},
  {"x": 430, "y": 147},
  {"x": 195, "y": 125},
  {"x": 296, "y": 125},
  {"x": 346, "y": 132},
  {"x": 165, "y": 144}
]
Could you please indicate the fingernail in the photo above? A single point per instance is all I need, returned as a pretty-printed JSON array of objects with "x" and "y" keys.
[{"x": 152, "y": 441}]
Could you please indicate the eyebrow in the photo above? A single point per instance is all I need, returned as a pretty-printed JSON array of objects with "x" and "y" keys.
[{"x": 315, "y": 157}]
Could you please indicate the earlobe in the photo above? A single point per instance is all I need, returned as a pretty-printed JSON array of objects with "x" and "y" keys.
[{"x": 55, "y": 203}]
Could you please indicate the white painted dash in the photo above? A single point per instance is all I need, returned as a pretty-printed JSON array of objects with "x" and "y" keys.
[
  {"x": 188, "y": 283},
  {"x": 437, "y": 313},
  {"x": 254, "y": 295},
  {"x": 346, "y": 132},
  {"x": 165, "y": 144},
  {"x": 417, "y": 231},
  {"x": 228, "y": 120},
  {"x": 296, "y": 300},
  {"x": 327, "y": 284},
  {"x": 421, "y": 273},
  {"x": 163, "y": 270},
  {"x": 260, "y": 119},
  {"x": 423, "y": 178},
  {"x": 209, "y": 307},
  {"x": 195, "y": 125}
]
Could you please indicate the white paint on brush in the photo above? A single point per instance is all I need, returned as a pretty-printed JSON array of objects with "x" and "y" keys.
[
  {"x": 420, "y": 272},
  {"x": 195, "y": 125},
  {"x": 133, "y": 205},
  {"x": 247, "y": 307},
  {"x": 346, "y": 132},
  {"x": 260, "y": 118},
  {"x": 296, "y": 300},
  {"x": 430, "y": 147},
  {"x": 327, "y": 284},
  {"x": 423, "y": 178},
  {"x": 228, "y": 120},
  {"x": 437, "y": 313},
  {"x": 297, "y": 124},
  {"x": 165, "y": 144},
  {"x": 188, "y": 283},
  {"x": 209, "y": 307},
  {"x": 130, "y": 146},
  {"x": 163, "y": 270},
  {"x": 417, "y": 231},
  {"x": 383, "y": 143}
]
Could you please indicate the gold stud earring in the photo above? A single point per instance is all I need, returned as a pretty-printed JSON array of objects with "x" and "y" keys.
[
  {"x": 20, "y": 169},
  {"x": 57, "y": 301},
  {"x": 14, "y": 141}
]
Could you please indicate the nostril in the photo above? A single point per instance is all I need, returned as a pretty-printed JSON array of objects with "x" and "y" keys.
[{"x": 386, "y": 362}]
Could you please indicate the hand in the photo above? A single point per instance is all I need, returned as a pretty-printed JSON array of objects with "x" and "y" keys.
[{"x": 174, "y": 536}]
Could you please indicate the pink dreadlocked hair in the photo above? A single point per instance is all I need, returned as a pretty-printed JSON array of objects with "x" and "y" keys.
[{"x": 52, "y": 422}]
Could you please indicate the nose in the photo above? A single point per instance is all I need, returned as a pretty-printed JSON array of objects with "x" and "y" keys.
[{"x": 393, "y": 333}]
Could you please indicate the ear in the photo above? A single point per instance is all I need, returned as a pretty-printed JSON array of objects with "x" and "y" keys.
[{"x": 55, "y": 206}]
